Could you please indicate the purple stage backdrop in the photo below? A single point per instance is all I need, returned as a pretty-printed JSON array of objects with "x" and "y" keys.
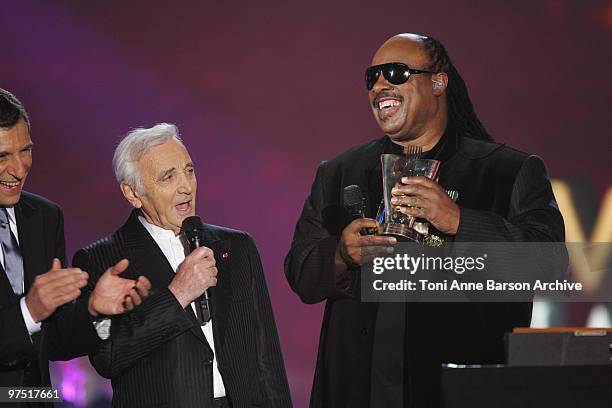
[{"x": 263, "y": 91}]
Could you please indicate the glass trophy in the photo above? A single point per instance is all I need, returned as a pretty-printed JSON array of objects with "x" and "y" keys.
[{"x": 394, "y": 167}]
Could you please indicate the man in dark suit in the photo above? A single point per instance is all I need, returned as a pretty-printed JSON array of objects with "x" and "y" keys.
[
  {"x": 160, "y": 354},
  {"x": 33, "y": 283},
  {"x": 389, "y": 355}
]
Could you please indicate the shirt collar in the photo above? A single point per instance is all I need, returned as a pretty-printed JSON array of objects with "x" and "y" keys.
[
  {"x": 157, "y": 232},
  {"x": 10, "y": 211}
]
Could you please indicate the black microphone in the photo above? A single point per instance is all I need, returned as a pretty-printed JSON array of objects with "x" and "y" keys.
[
  {"x": 194, "y": 232},
  {"x": 354, "y": 202}
]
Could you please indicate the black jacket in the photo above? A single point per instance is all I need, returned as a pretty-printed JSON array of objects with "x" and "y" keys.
[
  {"x": 40, "y": 223},
  {"x": 157, "y": 355},
  {"x": 504, "y": 195}
]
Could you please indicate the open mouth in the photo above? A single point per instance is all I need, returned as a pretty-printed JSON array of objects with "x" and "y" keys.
[
  {"x": 387, "y": 106},
  {"x": 183, "y": 207},
  {"x": 11, "y": 186}
]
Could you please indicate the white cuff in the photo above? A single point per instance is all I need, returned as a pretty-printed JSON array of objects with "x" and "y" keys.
[
  {"x": 31, "y": 325},
  {"x": 103, "y": 328}
]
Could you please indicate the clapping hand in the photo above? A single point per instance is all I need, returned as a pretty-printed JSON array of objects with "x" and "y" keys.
[{"x": 115, "y": 295}]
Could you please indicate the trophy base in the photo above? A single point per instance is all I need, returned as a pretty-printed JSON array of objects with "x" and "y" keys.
[{"x": 402, "y": 232}]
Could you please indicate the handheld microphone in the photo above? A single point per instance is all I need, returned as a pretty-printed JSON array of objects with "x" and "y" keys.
[
  {"x": 354, "y": 202},
  {"x": 194, "y": 232}
]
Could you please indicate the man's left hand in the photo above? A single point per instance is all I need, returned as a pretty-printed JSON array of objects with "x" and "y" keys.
[
  {"x": 115, "y": 295},
  {"x": 421, "y": 197}
]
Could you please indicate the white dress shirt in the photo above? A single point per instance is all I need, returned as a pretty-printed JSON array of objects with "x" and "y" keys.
[
  {"x": 174, "y": 251},
  {"x": 31, "y": 325}
]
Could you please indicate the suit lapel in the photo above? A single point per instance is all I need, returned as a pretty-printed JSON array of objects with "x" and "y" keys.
[
  {"x": 7, "y": 296},
  {"x": 371, "y": 178},
  {"x": 221, "y": 294},
  {"x": 144, "y": 255},
  {"x": 31, "y": 241},
  {"x": 146, "y": 258}
]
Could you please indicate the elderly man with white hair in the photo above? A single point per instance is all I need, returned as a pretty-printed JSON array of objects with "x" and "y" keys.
[{"x": 160, "y": 354}]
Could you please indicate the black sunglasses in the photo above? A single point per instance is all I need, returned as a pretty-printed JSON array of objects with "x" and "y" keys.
[{"x": 395, "y": 73}]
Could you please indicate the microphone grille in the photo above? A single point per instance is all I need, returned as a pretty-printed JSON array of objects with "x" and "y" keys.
[
  {"x": 352, "y": 195},
  {"x": 193, "y": 223}
]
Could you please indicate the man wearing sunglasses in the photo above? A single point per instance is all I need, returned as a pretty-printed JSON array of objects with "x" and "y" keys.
[{"x": 389, "y": 354}]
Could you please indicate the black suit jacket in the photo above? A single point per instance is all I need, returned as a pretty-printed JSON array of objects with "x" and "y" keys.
[
  {"x": 40, "y": 223},
  {"x": 504, "y": 195},
  {"x": 157, "y": 355}
]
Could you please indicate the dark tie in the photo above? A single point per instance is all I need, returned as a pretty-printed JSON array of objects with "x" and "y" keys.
[{"x": 13, "y": 264}]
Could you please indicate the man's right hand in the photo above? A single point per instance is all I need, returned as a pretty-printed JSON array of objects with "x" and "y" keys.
[
  {"x": 54, "y": 288},
  {"x": 355, "y": 249},
  {"x": 196, "y": 274}
]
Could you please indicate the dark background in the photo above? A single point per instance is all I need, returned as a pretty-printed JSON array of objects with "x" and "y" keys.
[{"x": 263, "y": 91}]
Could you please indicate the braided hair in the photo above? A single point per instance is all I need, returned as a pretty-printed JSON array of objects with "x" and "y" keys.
[{"x": 460, "y": 109}]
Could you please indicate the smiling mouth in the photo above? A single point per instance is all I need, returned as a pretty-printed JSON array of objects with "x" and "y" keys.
[
  {"x": 10, "y": 185},
  {"x": 386, "y": 103},
  {"x": 387, "y": 106}
]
